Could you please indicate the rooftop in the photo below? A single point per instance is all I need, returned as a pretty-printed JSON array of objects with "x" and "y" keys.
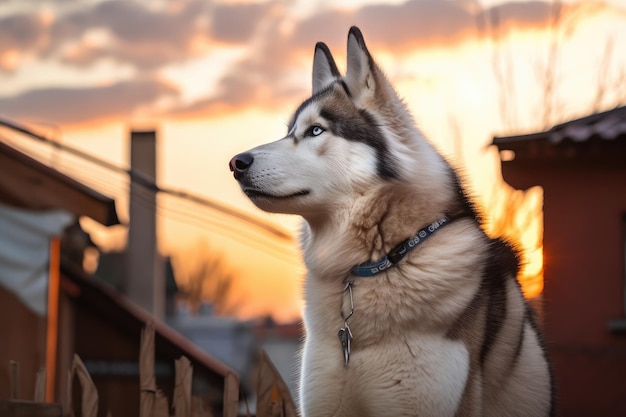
[
  {"x": 608, "y": 125},
  {"x": 27, "y": 183}
]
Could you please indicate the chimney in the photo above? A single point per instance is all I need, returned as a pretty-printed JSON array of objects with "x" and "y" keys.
[{"x": 145, "y": 283}]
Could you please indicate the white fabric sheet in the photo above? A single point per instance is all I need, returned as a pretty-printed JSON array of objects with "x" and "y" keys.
[{"x": 25, "y": 251}]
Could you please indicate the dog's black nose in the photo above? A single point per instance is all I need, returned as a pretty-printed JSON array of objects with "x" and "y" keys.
[{"x": 240, "y": 163}]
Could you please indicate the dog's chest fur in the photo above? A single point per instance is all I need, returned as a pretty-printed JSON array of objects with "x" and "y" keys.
[{"x": 399, "y": 325}]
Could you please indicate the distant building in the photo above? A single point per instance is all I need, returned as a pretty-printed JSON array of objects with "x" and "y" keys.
[
  {"x": 581, "y": 166},
  {"x": 228, "y": 339},
  {"x": 238, "y": 344}
]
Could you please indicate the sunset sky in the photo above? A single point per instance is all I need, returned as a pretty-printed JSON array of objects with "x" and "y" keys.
[{"x": 217, "y": 77}]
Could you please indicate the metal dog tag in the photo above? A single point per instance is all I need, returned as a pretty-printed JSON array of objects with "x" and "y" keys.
[{"x": 345, "y": 336}]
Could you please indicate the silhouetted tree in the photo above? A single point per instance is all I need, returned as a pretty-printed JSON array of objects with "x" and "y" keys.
[{"x": 204, "y": 277}]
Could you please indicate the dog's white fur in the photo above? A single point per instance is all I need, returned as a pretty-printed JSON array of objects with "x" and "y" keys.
[{"x": 417, "y": 341}]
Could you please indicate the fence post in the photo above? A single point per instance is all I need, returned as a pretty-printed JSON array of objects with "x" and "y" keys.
[
  {"x": 40, "y": 386},
  {"x": 273, "y": 396},
  {"x": 231, "y": 395},
  {"x": 89, "y": 398},
  {"x": 182, "y": 387}
]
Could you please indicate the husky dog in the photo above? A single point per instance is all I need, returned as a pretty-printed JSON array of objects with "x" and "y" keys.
[{"x": 411, "y": 310}]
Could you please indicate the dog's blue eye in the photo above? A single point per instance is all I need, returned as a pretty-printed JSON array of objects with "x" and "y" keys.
[{"x": 316, "y": 131}]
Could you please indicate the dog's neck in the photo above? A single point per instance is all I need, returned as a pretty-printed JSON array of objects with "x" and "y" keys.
[
  {"x": 385, "y": 218},
  {"x": 365, "y": 229}
]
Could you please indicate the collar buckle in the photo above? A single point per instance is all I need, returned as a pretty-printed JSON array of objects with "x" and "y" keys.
[{"x": 397, "y": 253}]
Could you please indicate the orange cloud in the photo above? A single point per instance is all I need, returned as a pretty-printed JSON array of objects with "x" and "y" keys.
[
  {"x": 398, "y": 29},
  {"x": 79, "y": 105},
  {"x": 19, "y": 34},
  {"x": 9, "y": 60},
  {"x": 277, "y": 47}
]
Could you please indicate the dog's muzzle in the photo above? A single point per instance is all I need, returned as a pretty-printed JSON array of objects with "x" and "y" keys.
[{"x": 240, "y": 164}]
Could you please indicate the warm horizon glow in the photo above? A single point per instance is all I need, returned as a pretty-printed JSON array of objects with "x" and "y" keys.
[
  {"x": 519, "y": 217},
  {"x": 219, "y": 94}
]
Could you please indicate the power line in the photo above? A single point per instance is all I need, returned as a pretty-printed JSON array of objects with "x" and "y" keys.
[
  {"x": 173, "y": 208},
  {"x": 150, "y": 184}
]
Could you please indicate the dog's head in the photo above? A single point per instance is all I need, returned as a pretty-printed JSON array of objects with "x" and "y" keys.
[{"x": 352, "y": 136}]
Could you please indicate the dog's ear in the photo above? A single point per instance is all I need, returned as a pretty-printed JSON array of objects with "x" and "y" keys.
[
  {"x": 360, "y": 76},
  {"x": 324, "y": 68}
]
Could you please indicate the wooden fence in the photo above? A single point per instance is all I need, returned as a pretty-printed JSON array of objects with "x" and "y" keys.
[{"x": 273, "y": 396}]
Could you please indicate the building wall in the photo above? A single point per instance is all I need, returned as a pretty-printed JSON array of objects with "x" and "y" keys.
[
  {"x": 22, "y": 339},
  {"x": 584, "y": 205},
  {"x": 102, "y": 345}
]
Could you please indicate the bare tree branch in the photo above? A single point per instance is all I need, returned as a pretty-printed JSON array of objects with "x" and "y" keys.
[{"x": 204, "y": 276}]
